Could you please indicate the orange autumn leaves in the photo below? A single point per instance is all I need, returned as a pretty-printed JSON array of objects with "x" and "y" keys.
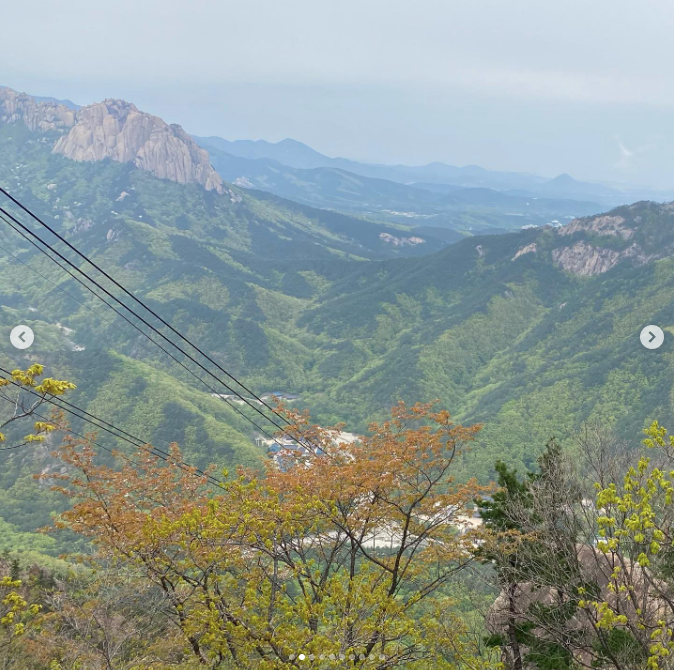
[{"x": 336, "y": 554}]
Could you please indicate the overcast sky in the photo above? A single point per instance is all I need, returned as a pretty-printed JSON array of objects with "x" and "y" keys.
[{"x": 543, "y": 86}]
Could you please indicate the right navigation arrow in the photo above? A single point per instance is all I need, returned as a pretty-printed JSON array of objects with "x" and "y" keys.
[{"x": 652, "y": 336}]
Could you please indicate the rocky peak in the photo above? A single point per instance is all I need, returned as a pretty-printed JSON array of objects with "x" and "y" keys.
[
  {"x": 117, "y": 130},
  {"x": 600, "y": 225},
  {"x": 38, "y": 116}
]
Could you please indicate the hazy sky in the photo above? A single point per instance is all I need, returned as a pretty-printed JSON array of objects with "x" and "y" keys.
[{"x": 544, "y": 86}]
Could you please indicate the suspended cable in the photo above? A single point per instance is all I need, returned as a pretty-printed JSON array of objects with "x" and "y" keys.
[
  {"x": 121, "y": 434},
  {"x": 123, "y": 316},
  {"x": 135, "y": 299},
  {"x": 140, "y": 318},
  {"x": 124, "y": 457}
]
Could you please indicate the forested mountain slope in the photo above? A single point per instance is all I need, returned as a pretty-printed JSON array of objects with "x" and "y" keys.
[{"x": 531, "y": 332}]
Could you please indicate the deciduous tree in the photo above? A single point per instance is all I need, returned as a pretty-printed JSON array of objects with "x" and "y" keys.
[{"x": 340, "y": 556}]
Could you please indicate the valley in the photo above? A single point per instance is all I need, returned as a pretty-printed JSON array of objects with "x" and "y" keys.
[
  {"x": 467, "y": 210},
  {"x": 532, "y": 332},
  {"x": 336, "y": 336}
]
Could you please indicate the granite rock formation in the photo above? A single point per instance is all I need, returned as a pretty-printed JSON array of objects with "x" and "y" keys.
[{"x": 116, "y": 130}]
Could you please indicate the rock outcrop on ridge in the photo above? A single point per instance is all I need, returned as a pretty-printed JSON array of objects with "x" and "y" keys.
[{"x": 119, "y": 131}]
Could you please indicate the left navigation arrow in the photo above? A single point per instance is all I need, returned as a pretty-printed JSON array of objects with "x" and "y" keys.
[{"x": 21, "y": 337}]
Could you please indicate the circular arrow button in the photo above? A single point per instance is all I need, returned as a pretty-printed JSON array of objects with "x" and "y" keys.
[
  {"x": 652, "y": 337},
  {"x": 21, "y": 337}
]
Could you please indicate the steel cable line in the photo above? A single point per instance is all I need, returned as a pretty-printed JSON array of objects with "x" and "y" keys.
[
  {"x": 102, "y": 288},
  {"x": 151, "y": 449},
  {"x": 120, "y": 434},
  {"x": 140, "y": 318},
  {"x": 68, "y": 430},
  {"x": 164, "y": 456},
  {"x": 60, "y": 402},
  {"x": 123, "y": 316},
  {"x": 18, "y": 446},
  {"x": 138, "y": 301},
  {"x": 124, "y": 457}
]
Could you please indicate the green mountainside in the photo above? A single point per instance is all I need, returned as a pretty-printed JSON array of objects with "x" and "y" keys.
[
  {"x": 531, "y": 332},
  {"x": 528, "y": 347}
]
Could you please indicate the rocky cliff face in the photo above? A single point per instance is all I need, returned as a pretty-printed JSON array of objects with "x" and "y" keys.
[
  {"x": 38, "y": 116},
  {"x": 642, "y": 232},
  {"x": 528, "y": 602},
  {"x": 117, "y": 130},
  {"x": 527, "y": 249},
  {"x": 600, "y": 225},
  {"x": 585, "y": 260}
]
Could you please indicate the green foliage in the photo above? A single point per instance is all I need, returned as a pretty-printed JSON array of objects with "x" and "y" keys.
[
  {"x": 511, "y": 490},
  {"x": 525, "y": 555},
  {"x": 289, "y": 298},
  {"x": 634, "y": 528},
  {"x": 622, "y": 644},
  {"x": 542, "y": 654},
  {"x": 11, "y": 539}
]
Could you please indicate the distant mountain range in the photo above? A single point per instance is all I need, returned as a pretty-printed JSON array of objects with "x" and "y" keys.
[
  {"x": 468, "y": 209},
  {"x": 295, "y": 154},
  {"x": 117, "y": 130},
  {"x": 298, "y": 155},
  {"x": 467, "y": 200}
]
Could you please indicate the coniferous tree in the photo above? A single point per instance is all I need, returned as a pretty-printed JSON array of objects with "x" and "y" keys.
[
  {"x": 15, "y": 570},
  {"x": 528, "y": 516}
]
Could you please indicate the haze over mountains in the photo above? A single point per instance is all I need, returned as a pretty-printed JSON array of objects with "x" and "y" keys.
[
  {"x": 440, "y": 205},
  {"x": 297, "y": 155},
  {"x": 532, "y": 332},
  {"x": 397, "y": 193}
]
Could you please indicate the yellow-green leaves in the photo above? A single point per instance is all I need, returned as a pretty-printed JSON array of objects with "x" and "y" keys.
[
  {"x": 635, "y": 523},
  {"x": 284, "y": 564},
  {"x": 51, "y": 386},
  {"x": 15, "y": 612},
  {"x": 28, "y": 404}
]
